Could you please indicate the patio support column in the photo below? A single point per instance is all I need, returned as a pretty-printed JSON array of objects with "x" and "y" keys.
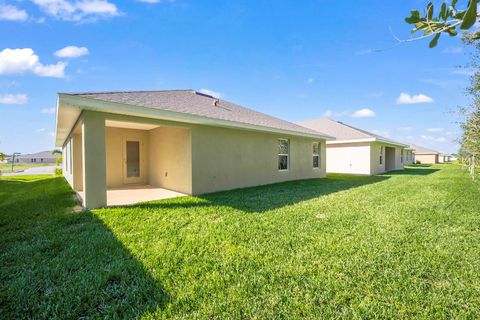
[{"x": 94, "y": 160}]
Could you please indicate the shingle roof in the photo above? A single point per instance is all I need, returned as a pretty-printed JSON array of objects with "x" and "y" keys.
[
  {"x": 423, "y": 150},
  {"x": 195, "y": 103},
  {"x": 42, "y": 154},
  {"x": 342, "y": 131}
]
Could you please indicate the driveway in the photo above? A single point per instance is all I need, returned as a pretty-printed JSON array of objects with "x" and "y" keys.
[{"x": 36, "y": 170}]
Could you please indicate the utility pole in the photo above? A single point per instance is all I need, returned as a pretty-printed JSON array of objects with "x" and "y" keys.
[{"x": 13, "y": 158}]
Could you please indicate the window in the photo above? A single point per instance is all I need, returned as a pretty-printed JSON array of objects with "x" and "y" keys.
[
  {"x": 401, "y": 156},
  {"x": 381, "y": 155},
  {"x": 316, "y": 155},
  {"x": 283, "y": 151}
]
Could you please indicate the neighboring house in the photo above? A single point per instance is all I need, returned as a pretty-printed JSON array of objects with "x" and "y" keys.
[
  {"x": 180, "y": 140},
  {"x": 357, "y": 151},
  {"x": 409, "y": 156},
  {"x": 425, "y": 155},
  {"x": 444, "y": 158},
  {"x": 39, "y": 157}
]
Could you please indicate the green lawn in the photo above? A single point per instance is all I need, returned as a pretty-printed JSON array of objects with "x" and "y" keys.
[
  {"x": 17, "y": 167},
  {"x": 400, "y": 245}
]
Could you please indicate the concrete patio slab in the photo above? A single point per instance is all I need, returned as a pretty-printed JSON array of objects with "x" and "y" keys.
[{"x": 135, "y": 194}]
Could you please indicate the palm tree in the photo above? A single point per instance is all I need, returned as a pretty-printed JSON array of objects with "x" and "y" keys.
[{"x": 57, "y": 151}]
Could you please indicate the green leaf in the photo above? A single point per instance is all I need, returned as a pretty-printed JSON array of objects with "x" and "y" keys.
[
  {"x": 451, "y": 32},
  {"x": 434, "y": 41},
  {"x": 443, "y": 12},
  {"x": 470, "y": 16},
  {"x": 414, "y": 17},
  {"x": 454, "y": 2},
  {"x": 429, "y": 11}
]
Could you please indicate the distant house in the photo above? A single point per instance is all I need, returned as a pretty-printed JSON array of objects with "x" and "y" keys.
[
  {"x": 39, "y": 157},
  {"x": 425, "y": 155},
  {"x": 409, "y": 156},
  {"x": 177, "y": 140},
  {"x": 444, "y": 158},
  {"x": 357, "y": 151}
]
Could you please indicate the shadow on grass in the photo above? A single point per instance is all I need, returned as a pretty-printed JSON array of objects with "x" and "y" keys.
[
  {"x": 59, "y": 264},
  {"x": 412, "y": 171},
  {"x": 269, "y": 197}
]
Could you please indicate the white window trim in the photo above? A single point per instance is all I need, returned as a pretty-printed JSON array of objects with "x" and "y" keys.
[{"x": 284, "y": 154}]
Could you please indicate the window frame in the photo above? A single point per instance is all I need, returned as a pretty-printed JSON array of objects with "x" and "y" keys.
[
  {"x": 401, "y": 156},
  {"x": 319, "y": 145},
  {"x": 380, "y": 158},
  {"x": 283, "y": 155}
]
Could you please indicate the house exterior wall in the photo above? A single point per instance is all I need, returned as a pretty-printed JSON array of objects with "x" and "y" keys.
[
  {"x": 224, "y": 159},
  {"x": 77, "y": 169},
  {"x": 66, "y": 155},
  {"x": 115, "y": 139},
  {"x": 426, "y": 158},
  {"x": 170, "y": 158},
  {"x": 189, "y": 158},
  {"x": 376, "y": 166},
  {"x": 350, "y": 158}
]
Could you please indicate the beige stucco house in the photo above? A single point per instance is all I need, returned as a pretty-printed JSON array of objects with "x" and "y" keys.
[
  {"x": 179, "y": 140},
  {"x": 357, "y": 151},
  {"x": 425, "y": 155}
]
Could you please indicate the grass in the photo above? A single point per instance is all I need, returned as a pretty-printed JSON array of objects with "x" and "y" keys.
[
  {"x": 399, "y": 245},
  {"x": 17, "y": 167}
]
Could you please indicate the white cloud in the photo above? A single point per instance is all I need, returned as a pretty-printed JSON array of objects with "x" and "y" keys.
[
  {"x": 403, "y": 129},
  {"x": 84, "y": 10},
  {"x": 40, "y": 130},
  {"x": 424, "y": 137},
  {"x": 363, "y": 113},
  {"x": 20, "y": 61},
  {"x": 48, "y": 110},
  {"x": 406, "y": 98},
  {"x": 450, "y": 133},
  {"x": 310, "y": 80},
  {"x": 71, "y": 52},
  {"x": 12, "y": 13},
  {"x": 212, "y": 93},
  {"x": 51, "y": 134},
  {"x": 440, "y": 139},
  {"x": 435, "y": 129},
  {"x": 453, "y": 50},
  {"x": 13, "y": 99},
  {"x": 149, "y": 1}
]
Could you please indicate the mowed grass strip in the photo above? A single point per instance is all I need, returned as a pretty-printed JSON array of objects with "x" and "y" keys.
[{"x": 403, "y": 244}]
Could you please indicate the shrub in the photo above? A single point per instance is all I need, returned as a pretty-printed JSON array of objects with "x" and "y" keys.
[
  {"x": 58, "y": 172},
  {"x": 59, "y": 160}
]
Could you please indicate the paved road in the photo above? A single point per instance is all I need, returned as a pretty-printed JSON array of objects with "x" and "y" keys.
[{"x": 36, "y": 170}]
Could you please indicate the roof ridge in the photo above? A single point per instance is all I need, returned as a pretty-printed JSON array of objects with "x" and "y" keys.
[{"x": 124, "y": 91}]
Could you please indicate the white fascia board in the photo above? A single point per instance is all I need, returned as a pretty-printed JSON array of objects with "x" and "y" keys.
[
  {"x": 367, "y": 140},
  {"x": 139, "y": 111}
]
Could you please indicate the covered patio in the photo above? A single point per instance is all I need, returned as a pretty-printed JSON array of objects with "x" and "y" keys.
[{"x": 111, "y": 160}]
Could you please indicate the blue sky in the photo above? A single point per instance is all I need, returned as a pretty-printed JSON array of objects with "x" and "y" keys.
[{"x": 294, "y": 60}]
